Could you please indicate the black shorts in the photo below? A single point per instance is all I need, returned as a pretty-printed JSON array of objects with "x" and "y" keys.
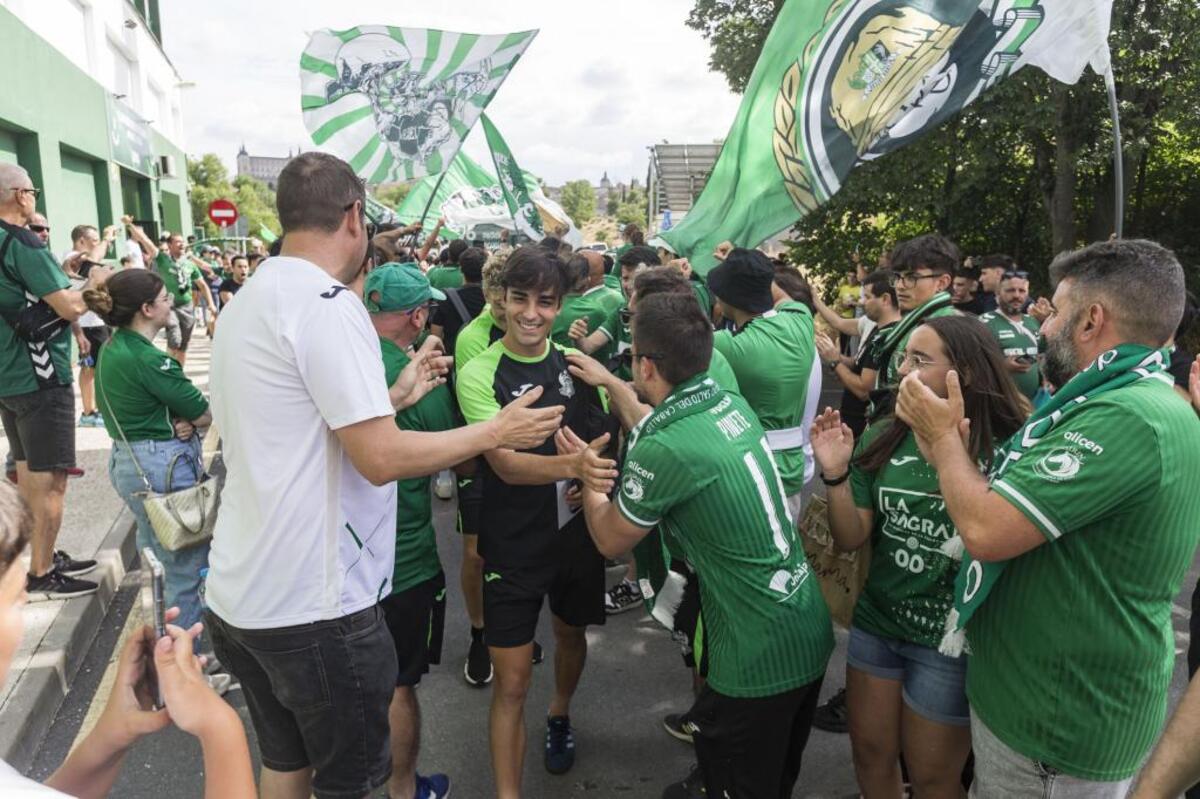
[
  {"x": 689, "y": 629},
  {"x": 40, "y": 427},
  {"x": 97, "y": 336},
  {"x": 416, "y": 618},
  {"x": 752, "y": 747},
  {"x": 470, "y": 504},
  {"x": 318, "y": 696},
  {"x": 574, "y": 581}
]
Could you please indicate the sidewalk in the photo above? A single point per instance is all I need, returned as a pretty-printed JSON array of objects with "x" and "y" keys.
[{"x": 57, "y": 635}]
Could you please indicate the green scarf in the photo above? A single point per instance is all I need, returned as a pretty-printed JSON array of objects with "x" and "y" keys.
[
  {"x": 1114, "y": 369},
  {"x": 884, "y": 346}
]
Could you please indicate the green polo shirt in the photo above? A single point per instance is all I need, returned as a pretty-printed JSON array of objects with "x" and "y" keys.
[
  {"x": 29, "y": 269},
  {"x": 179, "y": 276},
  {"x": 144, "y": 389}
]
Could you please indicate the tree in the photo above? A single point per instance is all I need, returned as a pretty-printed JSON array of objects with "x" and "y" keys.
[
  {"x": 579, "y": 201},
  {"x": 208, "y": 180},
  {"x": 392, "y": 194},
  {"x": 633, "y": 209},
  {"x": 1026, "y": 169}
]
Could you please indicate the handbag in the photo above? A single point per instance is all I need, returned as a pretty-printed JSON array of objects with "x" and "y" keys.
[{"x": 183, "y": 518}]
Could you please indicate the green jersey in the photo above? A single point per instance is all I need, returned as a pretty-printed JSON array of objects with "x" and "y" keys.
[
  {"x": 595, "y": 305},
  {"x": 1072, "y": 652},
  {"x": 620, "y": 339},
  {"x": 144, "y": 389},
  {"x": 416, "y": 545},
  {"x": 29, "y": 273},
  {"x": 910, "y": 585},
  {"x": 475, "y": 337},
  {"x": 445, "y": 277},
  {"x": 722, "y": 373},
  {"x": 700, "y": 469},
  {"x": 612, "y": 280},
  {"x": 1018, "y": 339},
  {"x": 772, "y": 356},
  {"x": 179, "y": 276}
]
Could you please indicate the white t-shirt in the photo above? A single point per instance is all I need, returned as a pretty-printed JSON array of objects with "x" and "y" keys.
[
  {"x": 301, "y": 536},
  {"x": 811, "y": 400},
  {"x": 14, "y": 786}
]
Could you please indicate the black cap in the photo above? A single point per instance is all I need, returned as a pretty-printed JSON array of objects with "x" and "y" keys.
[{"x": 743, "y": 280}]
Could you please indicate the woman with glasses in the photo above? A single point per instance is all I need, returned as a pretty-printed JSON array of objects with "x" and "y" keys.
[
  {"x": 152, "y": 412},
  {"x": 903, "y": 696}
]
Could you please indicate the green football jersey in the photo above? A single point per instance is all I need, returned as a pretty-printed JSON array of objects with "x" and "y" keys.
[
  {"x": 772, "y": 356},
  {"x": 30, "y": 270},
  {"x": 595, "y": 305},
  {"x": 416, "y": 545},
  {"x": 1072, "y": 652},
  {"x": 143, "y": 388},
  {"x": 612, "y": 280},
  {"x": 619, "y": 340},
  {"x": 445, "y": 277},
  {"x": 910, "y": 585},
  {"x": 700, "y": 469},
  {"x": 180, "y": 276},
  {"x": 1017, "y": 339}
]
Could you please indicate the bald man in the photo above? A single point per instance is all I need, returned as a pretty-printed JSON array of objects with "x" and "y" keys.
[{"x": 37, "y": 400}]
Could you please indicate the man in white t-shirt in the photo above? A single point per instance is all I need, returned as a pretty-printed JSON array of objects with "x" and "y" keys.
[
  {"x": 304, "y": 545},
  {"x": 87, "y": 248}
]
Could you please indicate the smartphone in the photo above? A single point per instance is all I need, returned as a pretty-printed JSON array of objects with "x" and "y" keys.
[{"x": 154, "y": 611}]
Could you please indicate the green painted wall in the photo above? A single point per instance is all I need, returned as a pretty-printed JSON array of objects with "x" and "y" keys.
[{"x": 60, "y": 136}]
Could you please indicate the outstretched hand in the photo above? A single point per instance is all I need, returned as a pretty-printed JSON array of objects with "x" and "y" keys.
[
  {"x": 832, "y": 442},
  {"x": 521, "y": 426},
  {"x": 426, "y": 371},
  {"x": 597, "y": 473},
  {"x": 588, "y": 369}
]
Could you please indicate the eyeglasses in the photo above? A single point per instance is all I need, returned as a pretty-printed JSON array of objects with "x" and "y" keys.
[
  {"x": 35, "y": 192},
  {"x": 39, "y": 228},
  {"x": 915, "y": 361},
  {"x": 629, "y": 356},
  {"x": 1017, "y": 273},
  {"x": 908, "y": 279},
  {"x": 371, "y": 227}
]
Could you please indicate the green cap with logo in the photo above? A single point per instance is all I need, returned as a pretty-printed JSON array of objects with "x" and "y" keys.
[{"x": 398, "y": 287}]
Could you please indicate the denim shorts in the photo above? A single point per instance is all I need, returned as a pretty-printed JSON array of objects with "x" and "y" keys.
[
  {"x": 934, "y": 685},
  {"x": 318, "y": 696}
]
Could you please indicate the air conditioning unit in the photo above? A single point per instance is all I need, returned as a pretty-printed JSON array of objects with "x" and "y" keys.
[{"x": 166, "y": 166}]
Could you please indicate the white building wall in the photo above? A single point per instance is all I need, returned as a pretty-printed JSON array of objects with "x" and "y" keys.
[{"x": 125, "y": 60}]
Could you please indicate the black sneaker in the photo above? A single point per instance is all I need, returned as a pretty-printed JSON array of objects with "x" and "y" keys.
[
  {"x": 673, "y": 724},
  {"x": 690, "y": 787},
  {"x": 560, "y": 745},
  {"x": 538, "y": 653},
  {"x": 477, "y": 670},
  {"x": 832, "y": 716},
  {"x": 67, "y": 565},
  {"x": 56, "y": 585},
  {"x": 623, "y": 596}
]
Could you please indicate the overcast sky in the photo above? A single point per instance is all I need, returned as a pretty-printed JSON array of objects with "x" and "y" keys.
[{"x": 600, "y": 83}]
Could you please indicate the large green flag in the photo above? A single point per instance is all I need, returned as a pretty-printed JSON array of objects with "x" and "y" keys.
[
  {"x": 516, "y": 194},
  {"x": 396, "y": 103},
  {"x": 464, "y": 173},
  {"x": 841, "y": 82}
]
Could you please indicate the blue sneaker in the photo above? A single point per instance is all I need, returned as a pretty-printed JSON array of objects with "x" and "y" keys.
[
  {"x": 560, "y": 745},
  {"x": 435, "y": 786}
]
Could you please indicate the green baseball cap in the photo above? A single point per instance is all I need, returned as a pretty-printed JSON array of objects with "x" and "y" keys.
[{"x": 398, "y": 287}]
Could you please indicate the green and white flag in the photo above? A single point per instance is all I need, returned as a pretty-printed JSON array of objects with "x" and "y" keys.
[
  {"x": 841, "y": 82},
  {"x": 464, "y": 173},
  {"x": 396, "y": 103},
  {"x": 516, "y": 195}
]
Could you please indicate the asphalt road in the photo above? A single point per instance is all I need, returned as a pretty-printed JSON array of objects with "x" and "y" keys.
[{"x": 634, "y": 677}]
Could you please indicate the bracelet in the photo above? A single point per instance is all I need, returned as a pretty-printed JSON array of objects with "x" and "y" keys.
[{"x": 837, "y": 481}]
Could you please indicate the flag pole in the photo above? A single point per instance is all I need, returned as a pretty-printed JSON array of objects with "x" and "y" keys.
[{"x": 1118, "y": 161}]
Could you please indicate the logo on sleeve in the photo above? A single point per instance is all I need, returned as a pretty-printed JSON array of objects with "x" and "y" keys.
[
  {"x": 1059, "y": 465},
  {"x": 633, "y": 488},
  {"x": 166, "y": 365},
  {"x": 333, "y": 292}
]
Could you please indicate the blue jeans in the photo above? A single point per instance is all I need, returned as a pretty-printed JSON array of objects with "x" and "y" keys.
[{"x": 182, "y": 567}]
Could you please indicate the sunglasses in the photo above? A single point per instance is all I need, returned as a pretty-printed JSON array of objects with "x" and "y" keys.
[
  {"x": 1017, "y": 273},
  {"x": 627, "y": 357},
  {"x": 39, "y": 228}
]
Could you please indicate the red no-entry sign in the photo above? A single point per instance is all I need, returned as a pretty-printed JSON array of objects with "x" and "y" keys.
[{"x": 222, "y": 212}]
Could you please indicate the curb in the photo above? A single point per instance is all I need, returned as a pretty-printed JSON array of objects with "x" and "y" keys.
[{"x": 40, "y": 690}]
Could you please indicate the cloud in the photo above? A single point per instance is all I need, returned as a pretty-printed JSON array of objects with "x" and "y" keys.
[{"x": 590, "y": 94}]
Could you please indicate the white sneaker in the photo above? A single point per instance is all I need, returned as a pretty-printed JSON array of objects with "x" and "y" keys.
[
  {"x": 220, "y": 682},
  {"x": 443, "y": 486}
]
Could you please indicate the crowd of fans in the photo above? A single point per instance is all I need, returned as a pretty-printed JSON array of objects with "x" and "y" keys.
[{"x": 1017, "y": 478}]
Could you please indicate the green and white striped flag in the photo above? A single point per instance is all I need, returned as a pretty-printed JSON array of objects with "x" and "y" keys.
[
  {"x": 396, "y": 103},
  {"x": 516, "y": 195}
]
